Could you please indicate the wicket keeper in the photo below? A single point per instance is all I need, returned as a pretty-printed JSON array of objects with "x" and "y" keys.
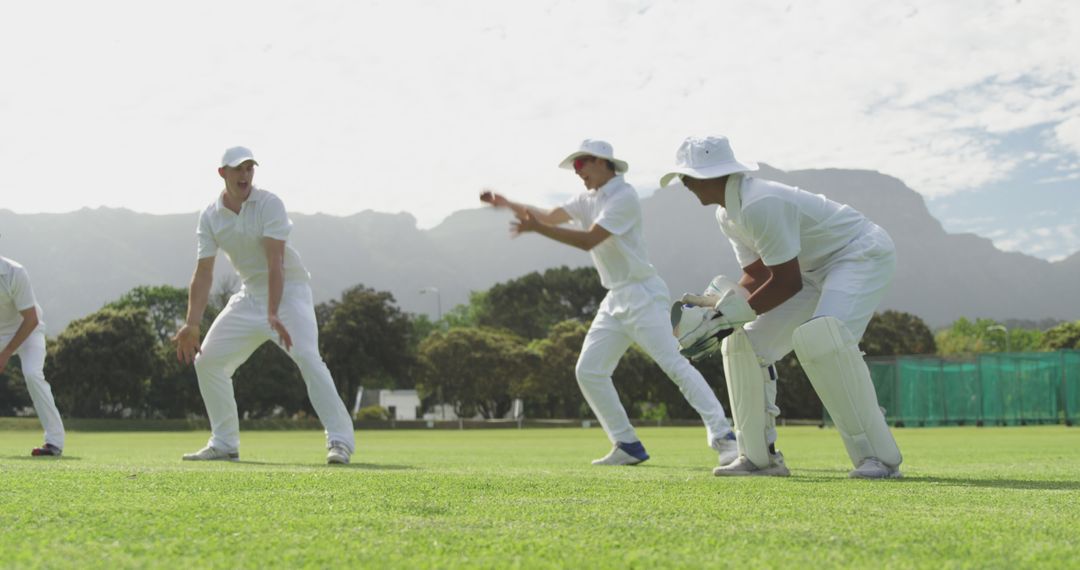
[{"x": 813, "y": 271}]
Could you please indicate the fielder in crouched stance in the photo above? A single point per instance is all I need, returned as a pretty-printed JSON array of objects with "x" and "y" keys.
[
  {"x": 635, "y": 308},
  {"x": 275, "y": 303},
  {"x": 814, "y": 271},
  {"x": 22, "y": 332}
]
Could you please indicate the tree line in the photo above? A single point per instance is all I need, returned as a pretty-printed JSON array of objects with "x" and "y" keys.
[{"x": 518, "y": 339}]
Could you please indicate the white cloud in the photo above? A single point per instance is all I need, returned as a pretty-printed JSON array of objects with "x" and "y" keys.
[
  {"x": 1068, "y": 133},
  {"x": 414, "y": 105},
  {"x": 1053, "y": 243}
]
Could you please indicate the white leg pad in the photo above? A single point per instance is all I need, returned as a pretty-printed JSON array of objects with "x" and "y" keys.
[
  {"x": 831, "y": 358},
  {"x": 746, "y": 385}
]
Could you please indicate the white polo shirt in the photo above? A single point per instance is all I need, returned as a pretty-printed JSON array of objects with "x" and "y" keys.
[
  {"x": 16, "y": 295},
  {"x": 240, "y": 236},
  {"x": 621, "y": 258},
  {"x": 775, "y": 223}
]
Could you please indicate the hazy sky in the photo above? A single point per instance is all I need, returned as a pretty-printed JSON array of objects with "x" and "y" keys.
[{"x": 410, "y": 105}]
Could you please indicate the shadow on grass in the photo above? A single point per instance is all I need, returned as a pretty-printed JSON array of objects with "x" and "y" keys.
[
  {"x": 358, "y": 466},
  {"x": 41, "y": 459},
  {"x": 1021, "y": 484}
]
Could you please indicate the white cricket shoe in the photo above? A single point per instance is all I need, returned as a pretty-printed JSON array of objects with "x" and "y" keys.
[
  {"x": 743, "y": 467},
  {"x": 727, "y": 447},
  {"x": 338, "y": 454},
  {"x": 624, "y": 454},
  {"x": 209, "y": 453},
  {"x": 873, "y": 468}
]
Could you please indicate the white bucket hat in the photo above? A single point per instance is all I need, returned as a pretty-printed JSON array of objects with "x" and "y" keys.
[
  {"x": 599, "y": 149},
  {"x": 706, "y": 157},
  {"x": 236, "y": 156}
]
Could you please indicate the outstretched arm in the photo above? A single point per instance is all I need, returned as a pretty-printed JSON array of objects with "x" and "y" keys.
[
  {"x": 584, "y": 240},
  {"x": 551, "y": 217}
]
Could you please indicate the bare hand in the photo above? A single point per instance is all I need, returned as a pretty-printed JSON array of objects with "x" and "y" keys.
[
  {"x": 497, "y": 200},
  {"x": 4, "y": 358},
  {"x": 187, "y": 343},
  {"x": 283, "y": 333},
  {"x": 525, "y": 222}
]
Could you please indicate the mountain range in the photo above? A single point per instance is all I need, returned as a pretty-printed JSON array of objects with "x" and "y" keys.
[{"x": 81, "y": 260}]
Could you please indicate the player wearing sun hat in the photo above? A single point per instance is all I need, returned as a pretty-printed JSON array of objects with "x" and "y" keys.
[
  {"x": 635, "y": 309},
  {"x": 814, "y": 271}
]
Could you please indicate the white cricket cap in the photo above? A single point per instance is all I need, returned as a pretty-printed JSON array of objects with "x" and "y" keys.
[{"x": 236, "y": 156}]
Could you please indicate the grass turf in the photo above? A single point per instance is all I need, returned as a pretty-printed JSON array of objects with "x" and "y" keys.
[{"x": 972, "y": 497}]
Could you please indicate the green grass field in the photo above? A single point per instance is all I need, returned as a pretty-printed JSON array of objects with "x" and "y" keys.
[{"x": 973, "y": 497}]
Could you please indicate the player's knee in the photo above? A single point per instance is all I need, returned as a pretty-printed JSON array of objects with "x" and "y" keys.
[
  {"x": 584, "y": 372},
  {"x": 820, "y": 337},
  {"x": 35, "y": 375},
  {"x": 207, "y": 362},
  {"x": 675, "y": 367},
  {"x": 308, "y": 360}
]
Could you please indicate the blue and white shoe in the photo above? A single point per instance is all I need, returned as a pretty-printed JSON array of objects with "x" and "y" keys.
[{"x": 624, "y": 454}]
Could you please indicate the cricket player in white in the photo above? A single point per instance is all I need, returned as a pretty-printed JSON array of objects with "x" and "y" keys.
[
  {"x": 814, "y": 271},
  {"x": 275, "y": 303},
  {"x": 635, "y": 308},
  {"x": 22, "y": 332}
]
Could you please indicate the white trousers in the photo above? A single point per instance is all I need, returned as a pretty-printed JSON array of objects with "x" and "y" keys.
[
  {"x": 32, "y": 359},
  {"x": 236, "y": 333},
  {"x": 850, "y": 288},
  {"x": 639, "y": 313}
]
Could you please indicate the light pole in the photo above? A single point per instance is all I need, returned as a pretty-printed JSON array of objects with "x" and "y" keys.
[
  {"x": 438, "y": 309},
  {"x": 438, "y": 300},
  {"x": 1004, "y": 331}
]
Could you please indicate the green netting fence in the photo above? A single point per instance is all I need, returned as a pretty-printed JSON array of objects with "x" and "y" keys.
[{"x": 1017, "y": 388}]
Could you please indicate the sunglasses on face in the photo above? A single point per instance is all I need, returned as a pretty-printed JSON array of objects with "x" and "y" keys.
[{"x": 581, "y": 161}]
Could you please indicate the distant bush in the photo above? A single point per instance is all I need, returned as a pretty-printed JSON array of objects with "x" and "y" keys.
[{"x": 373, "y": 413}]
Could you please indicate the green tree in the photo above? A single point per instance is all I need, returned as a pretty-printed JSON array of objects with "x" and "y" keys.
[
  {"x": 269, "y": 384},
  {"x": 365, "y": 342},
  {"x": 530, "y": 305},
  {"x": 472, "y": 369},
  {"x": 1063, "y": 336},
  {"x": 550, "y": 388},
  {"x": 173, "y": 391},
  {"x": 13, "y": 393},
  {"x": 166, "y": 306},
  {"x": 101, "y": 364},
  {"x": 894, "y": 333},
  {"x": 467, "y": 315},
  {"x": 985, "y": 335}
]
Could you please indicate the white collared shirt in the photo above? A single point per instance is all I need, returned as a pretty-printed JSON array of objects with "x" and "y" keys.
[
  {"x": 621, "y": 258},
  {"x": 775, "y": 223},
  {"x": 240, "y": 236},
  {"x": 16, "y": 295}
]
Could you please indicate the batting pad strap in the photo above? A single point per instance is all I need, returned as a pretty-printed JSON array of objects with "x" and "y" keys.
[
  {"x": 830, "y": 355},
  {"x": 746, "y": 387}
]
